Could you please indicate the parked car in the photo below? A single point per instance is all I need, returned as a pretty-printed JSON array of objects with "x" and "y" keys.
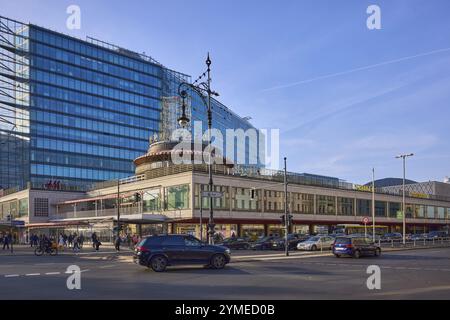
[
  {"x": 279, "y": 243},
  {"x": 418, "y": 236},
  {"x": 235, "y": 243},
  {"x": 391, "y": 236},
  {"x": 264, "y": 243},
  {"x": 436, "y": 235},
  {"x": 316, "y": 243},
  {"x": 158, "y": 252},
  {"x": 355, "y": 247}
]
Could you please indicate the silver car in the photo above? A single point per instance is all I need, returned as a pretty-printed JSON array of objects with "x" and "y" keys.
[{"x": 316, "y": 243}]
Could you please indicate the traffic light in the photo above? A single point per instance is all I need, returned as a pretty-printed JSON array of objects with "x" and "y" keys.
[
  {"x": 137, "y": 197},
  {"x": 283, "y": 219}
]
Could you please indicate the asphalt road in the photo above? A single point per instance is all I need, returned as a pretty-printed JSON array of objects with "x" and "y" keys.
[{"x": 411, "y": 274}]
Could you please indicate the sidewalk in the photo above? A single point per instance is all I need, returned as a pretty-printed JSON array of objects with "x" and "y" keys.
[{"x": 26, "y": 250}]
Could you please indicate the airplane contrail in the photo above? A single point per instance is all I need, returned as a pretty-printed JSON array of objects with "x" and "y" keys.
[{"x": 355, "y": 70}]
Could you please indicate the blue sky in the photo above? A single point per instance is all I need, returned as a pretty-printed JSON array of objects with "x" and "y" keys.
[{"x": 288, "y": 65}]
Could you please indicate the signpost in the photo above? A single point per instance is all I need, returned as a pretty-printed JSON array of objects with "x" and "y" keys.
[
  {"x": 212, "y": 194},
  {"x": 365, "y": 221},
  {"x": 207, "y": 194}
]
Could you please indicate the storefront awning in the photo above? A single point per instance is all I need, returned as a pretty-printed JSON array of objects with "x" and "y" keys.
[
  {"x": 105, "y": 197},
  {"x": 55, "y": 224}
]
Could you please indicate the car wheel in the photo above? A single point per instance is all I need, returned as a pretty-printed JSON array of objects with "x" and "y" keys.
[
  {"x": 218, "y": 261},
  {"x": 337, "y": 255},
  {"x": 158, "y": 263},
  {"x": 246, "y": 247},
  {"x": 377, "y": 252},
  {"x": 314, "y": 248},
  {"x": 356, "y": 254}
]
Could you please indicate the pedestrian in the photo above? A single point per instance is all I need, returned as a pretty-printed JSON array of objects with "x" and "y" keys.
[
  {"x": 70, "y": 240},
  {"x": 117, "y": 243},
  {"x": 97, "y": 245},
  {"x": 94, "y": 240},
  {"x": 6, "y": 242},
  {"x": 81, "y": 241},
  {"x": 61, "y": 242},
  {"x": 76, "y": 244}
]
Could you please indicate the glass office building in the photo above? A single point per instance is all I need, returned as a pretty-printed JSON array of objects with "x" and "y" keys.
[{"x": 77, "y": 112}]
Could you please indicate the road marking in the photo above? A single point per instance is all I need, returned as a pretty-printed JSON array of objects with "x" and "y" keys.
[
  {"x": 108, "y": 266},
  {"x": 51, "y": 273},
  {"x": 11, "y": 275},
  {"x": 32, "y": 274}
]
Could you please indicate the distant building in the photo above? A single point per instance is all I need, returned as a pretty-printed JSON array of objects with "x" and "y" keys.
[
  {"x": 75, "y": 112},
  {"x": 251, "y": 204}
]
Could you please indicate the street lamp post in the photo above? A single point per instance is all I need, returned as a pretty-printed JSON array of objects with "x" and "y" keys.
[
  {"x": 202, "y": 88},
  {"x": 404, "y": 156}
]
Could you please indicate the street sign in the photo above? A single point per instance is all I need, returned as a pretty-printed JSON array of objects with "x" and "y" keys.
[
  {"x": 18, "y": 223},
  {"x": 399, "y": 214},
  {"x": 366, "y": 220},
  {"x": 212, "y": 194}
]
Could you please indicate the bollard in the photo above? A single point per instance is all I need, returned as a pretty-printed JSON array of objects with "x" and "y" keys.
[{"x": 392, "y": 243}]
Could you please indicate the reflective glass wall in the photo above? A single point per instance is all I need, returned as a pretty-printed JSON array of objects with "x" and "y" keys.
[{"x": 93, "y": 110}]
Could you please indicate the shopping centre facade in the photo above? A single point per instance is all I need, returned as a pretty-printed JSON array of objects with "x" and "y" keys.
[{"x": 164, "y": 197}]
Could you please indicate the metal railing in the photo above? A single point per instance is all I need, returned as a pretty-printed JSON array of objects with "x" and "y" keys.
[{"x": 398, "y": 243}]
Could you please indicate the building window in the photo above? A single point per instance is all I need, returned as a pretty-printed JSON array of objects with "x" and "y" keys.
[
  {"x": 409, "y": 210},
  {"x": 326, "y": 204},
  {"x": 394, "y": 207},
  {"x": 420, "y": 211},
  {"x": 441, "y": 213},
  {"x": 151, "y": 200},
  {"x": 218, "y": 203},
  {"x": 243, "y": 200},
  {"x": 345, "y": 206},
  {"x": 41, "y": 207},
  {"x": 177, "y": 197},
  {"x": 380, "y": 208},
  {"x": 23, "y": 207},
  {"x": 430, "y": 212},
  {"x": 363, "y": 207}
]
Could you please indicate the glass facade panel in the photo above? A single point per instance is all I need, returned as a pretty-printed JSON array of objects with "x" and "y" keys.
[
  {"x": 345, "y": 206},
  {"x": 440, "y": 213},
  {"x": 393, "y": 208},
  {"x": 23, "y": 207},
  {"x": 326, "y": 204},
  {"x": 363, "y": 207},
  {"x": 431, "y": 212},
  {"x": 420, "y": 211},
  {"x": 85, "y": 109},
  {"x": 151, "y": 200},
  {"x": 409, "y": 210},
  {"x": 177, "y": 197},
  {"x": 380, "y": 208}
]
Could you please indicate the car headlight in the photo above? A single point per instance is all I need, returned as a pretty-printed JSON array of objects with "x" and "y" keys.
[{"x": 228, "y": 251}]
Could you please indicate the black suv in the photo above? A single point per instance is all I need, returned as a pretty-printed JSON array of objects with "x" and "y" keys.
[{"x": 158, "y": 252}]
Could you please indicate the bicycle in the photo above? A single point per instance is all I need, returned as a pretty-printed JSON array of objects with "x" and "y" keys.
[{"x": 39, "y": 251}]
